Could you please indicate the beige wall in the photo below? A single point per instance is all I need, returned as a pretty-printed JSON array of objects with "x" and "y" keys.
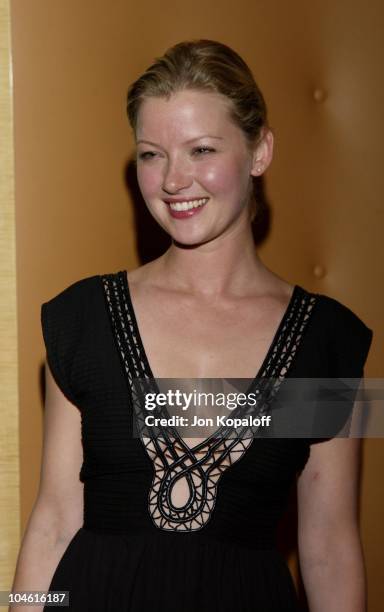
[{"x": 319, "y": 64}]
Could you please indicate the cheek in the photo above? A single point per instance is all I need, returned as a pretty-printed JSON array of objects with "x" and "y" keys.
[
  {"x": 228, "y": 177},
  {"x": 148, "y": 180}
]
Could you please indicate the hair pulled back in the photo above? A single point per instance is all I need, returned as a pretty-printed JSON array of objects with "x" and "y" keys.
[{"x": 204, "y": 65}]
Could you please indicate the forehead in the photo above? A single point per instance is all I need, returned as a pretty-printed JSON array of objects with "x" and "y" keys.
[{"x": 184, "y": 115}]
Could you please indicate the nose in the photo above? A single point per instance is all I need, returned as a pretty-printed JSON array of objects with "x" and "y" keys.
[{"x": 176, "y": 177}]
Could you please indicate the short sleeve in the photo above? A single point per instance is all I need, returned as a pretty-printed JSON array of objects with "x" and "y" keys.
[
  {"x": 348, "y": 341},
  {"x": 62, "y": 320}
]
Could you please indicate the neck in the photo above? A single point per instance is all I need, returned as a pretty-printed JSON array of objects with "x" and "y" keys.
[{"x": 227, "y": 265}]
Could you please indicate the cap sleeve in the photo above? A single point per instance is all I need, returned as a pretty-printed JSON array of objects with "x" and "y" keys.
[
  {"x": 62, "y": 324},
  {"x": 348, "y": 341}
]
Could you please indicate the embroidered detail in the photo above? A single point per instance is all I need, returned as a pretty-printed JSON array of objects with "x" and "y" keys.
[{"x": 198, "y": 469}]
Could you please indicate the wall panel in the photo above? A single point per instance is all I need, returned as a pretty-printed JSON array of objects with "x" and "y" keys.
[{"x": 9, "y": 430}]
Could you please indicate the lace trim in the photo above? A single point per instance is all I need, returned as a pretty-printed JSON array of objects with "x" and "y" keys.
[{"x": 197, "y": 469}]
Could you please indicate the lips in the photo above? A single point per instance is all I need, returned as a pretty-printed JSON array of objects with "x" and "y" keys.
[
  {"x": 184, "y": 208},
  {"x": 185, "y": 203}
]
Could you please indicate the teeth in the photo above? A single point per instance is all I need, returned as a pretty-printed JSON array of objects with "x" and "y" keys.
[{"x": 188, "y": 205}]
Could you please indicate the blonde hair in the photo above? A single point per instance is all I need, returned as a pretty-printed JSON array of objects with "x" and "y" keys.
[{"x": 204, "y": 65}]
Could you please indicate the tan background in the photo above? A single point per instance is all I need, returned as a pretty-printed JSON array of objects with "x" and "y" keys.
[
  {"x": 9, "y": 432},
  {"x": 320, "y": 67}
]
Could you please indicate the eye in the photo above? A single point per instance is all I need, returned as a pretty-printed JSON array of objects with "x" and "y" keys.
[
  {"x": 203, "y": 150},
  {"x": 146, "y": 155}
]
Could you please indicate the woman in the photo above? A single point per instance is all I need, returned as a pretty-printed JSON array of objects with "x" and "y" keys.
[{"x": 173, "y": 523}]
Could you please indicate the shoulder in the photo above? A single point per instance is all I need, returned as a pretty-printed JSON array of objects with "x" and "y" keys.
[
  {"x": 341, "y": 318},
  {"x": 76, "y": 294},
  {"x": 83, "y": 295},
  {"x": 70, "y": 320},
  {"x": 64, "y": 314},
  {"x": 75, "y": 308},
  {"x": 346, "y": 336}
]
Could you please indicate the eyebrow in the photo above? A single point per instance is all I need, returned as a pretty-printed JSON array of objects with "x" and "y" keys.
[{"x": 186, "y": 142}]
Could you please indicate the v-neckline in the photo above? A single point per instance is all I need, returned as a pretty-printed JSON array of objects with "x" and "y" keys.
[
  {"x": 171, "y": 455},
  {"x": 297, "y": 289}
]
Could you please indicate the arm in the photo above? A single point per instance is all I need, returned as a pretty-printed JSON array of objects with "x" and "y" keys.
[
  {"x": 58, "y": 510},
  {"x": 330, "y": 551}
]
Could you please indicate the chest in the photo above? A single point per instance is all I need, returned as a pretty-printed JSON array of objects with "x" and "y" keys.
[{"x": 187, "y": 338}]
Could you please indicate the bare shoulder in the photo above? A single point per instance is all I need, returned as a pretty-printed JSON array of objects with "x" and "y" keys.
[
  {"x": 145, "y": 275},
  {"x": 280, "y": 288},
  {"x": 274, "y": 290}
]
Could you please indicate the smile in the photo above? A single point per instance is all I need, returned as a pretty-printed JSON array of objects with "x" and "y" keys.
[{"x": 187, "y": 205}]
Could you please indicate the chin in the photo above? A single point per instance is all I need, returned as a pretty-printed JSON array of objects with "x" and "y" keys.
[
  {"x": 184, "y": 232},
  {"x": 188, "y": 241}
]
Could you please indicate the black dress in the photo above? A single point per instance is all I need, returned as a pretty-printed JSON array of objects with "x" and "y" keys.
[{"x": 136, "y": 552}]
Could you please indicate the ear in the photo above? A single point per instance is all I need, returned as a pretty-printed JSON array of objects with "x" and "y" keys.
[{"x": 262, "y": 155}]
